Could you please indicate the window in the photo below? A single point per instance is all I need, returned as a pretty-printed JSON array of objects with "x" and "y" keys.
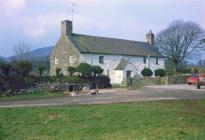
[
  {"x": 157, "y": 61},
  {"x": 128, "y": 73},
  {"x": 101, "y": 59},
  {"x": 71, "y": 60},
  {"x": 145, "y": 60},
  {"x": 56, "y": 60}
]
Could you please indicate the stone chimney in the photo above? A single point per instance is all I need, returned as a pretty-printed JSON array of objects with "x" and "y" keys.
[
  {"x": 150, "y": 38},
  {"x": 66, "y": 28}
]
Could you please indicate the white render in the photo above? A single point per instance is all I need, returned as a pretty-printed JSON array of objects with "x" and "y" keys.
[{"x": 135, "y": 65}]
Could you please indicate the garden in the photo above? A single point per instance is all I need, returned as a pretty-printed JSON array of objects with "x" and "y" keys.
[{"x": 16, "y": 79}]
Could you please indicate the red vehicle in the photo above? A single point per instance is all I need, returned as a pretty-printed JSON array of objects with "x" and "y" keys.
[
  {"x": 193, "y": 79},
  {"x": 201, "y": 81},
  {"x": 198, "y": 79}
]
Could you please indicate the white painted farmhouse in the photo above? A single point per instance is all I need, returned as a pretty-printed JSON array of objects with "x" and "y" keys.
[{"x": 118, "y": 57}]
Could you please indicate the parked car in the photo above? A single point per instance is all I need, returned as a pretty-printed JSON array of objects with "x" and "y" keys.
[
  {"x": 193, "y": 79},
  {"x": 201, "y": 81}
]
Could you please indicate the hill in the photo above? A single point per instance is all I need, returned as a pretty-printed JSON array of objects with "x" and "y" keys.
[{"x": 34, "y": 55}]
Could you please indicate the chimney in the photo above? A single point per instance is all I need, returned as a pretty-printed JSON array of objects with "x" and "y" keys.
[
  {"x": 66, "y": 28},
  {"x": 150, "y": 38}
]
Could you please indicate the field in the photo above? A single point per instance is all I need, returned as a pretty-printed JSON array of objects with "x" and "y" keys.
[{"x": 182, "y": 119}]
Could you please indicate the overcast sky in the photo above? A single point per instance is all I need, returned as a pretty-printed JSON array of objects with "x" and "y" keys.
[{"x": 38, "y": 21}]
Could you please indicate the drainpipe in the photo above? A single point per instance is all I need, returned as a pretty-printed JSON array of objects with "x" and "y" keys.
[{"x": 148, "y": 63}]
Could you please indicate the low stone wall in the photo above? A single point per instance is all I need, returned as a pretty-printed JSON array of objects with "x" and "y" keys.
[{"x": 167, "y": 80}]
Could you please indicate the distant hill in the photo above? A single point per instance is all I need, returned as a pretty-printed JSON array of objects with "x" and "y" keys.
[{"x": 36, "y": 55}]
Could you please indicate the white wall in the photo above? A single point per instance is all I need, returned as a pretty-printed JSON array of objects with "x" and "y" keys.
[{"x": 135, "y": 64}]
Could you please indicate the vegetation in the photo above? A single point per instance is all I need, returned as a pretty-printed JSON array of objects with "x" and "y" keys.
[
  {"x": 35, "y": 95},
  {"x": 23, "y": 67},
  {"x": 85, "y": 69},
  {"x": 182, "y": 119},
  {"x": 160, "y": 72},
  {"x": 97, "y": 70},
  {"x": 147, "y": 72},
  {"x": 180, "y": 40},
  {"x": 58, "y": 73},
  {"x": 71, "y": 70},
  {"x": 41, "y": 69},
  {"x": 15, "y": 75},
  {"x": 21, "y": 49}
]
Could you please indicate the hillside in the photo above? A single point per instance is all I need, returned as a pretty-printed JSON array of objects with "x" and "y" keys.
[{"x": 35, "y": 55}]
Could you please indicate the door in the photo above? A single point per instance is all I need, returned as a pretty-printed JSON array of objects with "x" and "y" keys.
[{"x": 128, "y": 73}]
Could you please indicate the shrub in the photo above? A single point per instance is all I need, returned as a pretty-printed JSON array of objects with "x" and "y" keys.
[
  {"x": 147, "y": 72},
  {"x": 97, "y": 70},
  {"x": 58, "y": 72},
  {"x": 23, "y": 67},
  {"x": 71, "y": 70},
  {"x": 160, "y": 72},
  {"x": 85, "y": 69},
  {"x": 40, "y": 70},
  {"x": 103, "y": 81}
]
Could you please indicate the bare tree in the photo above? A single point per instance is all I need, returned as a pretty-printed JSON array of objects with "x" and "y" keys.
[
  {"x": 180, "y": 40},
  {"x": 21, "y": 49}
]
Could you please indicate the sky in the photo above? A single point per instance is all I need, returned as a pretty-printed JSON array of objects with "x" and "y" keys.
[{"x": 37, "y": 22}]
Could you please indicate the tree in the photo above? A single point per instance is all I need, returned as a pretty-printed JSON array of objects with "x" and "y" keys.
[
  {"x": 8, "y": 76},
  {"x": 147, "y": 72},
  {"x": 40, "y": 70},
  {"x": 21, "y": 49},
  {"x": 180, "y": 40},
  {"x": 71, "y": 70},
  {"x": 85, "y": 69},
  {"x": 23, "y": 67},
  {"x": 97, "y": 70}
]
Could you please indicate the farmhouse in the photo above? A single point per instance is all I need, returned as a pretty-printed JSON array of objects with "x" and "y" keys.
[{"x": 119, "y": 58}]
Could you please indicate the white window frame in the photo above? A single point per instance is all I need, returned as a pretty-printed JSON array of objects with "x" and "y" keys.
[
  {"x": 71, "y": 59},
  {"x": 56, "y": 60}
]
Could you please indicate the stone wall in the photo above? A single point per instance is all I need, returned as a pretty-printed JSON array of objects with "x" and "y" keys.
[
  {"x": 64, "y": 51},
  {"x": 167, "y": 80}
]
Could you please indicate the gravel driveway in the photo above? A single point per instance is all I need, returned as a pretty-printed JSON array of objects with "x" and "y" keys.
[{"x": 149, "y": 93}]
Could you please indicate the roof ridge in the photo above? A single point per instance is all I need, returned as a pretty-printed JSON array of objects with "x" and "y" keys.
[{"x": 109, "y": 38}]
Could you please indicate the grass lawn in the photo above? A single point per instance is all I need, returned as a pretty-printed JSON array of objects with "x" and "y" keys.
[
  {"x": 170, "y": 120},
  {"x": 31, "y": 96}
]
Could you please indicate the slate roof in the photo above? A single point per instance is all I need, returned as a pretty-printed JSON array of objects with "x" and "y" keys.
[
  {"x": 103, "y": 45},
  {"x": 122, "y": 64}
]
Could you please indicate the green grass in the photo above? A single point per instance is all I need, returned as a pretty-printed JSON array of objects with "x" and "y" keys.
[
  {"x": 31, "y": 96},
  {"x": 170, "y": 120}
]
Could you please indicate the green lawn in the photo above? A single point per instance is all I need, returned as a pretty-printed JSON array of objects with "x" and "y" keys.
[
  {"x": 168, "y": 120},
  {"x": 31, "y": 96}
]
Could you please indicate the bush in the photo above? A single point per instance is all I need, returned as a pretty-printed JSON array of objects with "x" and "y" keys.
[
  {"x": 103, "y": 81},
  {"x": 160, "y": 72},
  {"x": 85, "y": 69},
  {"x": 97, "y": 70},
  {"x": 41, "y": 69},
  {"x": 71, "y": 70},
  {"x": 23, "y": 67},
  {"x": 147, "y": 72}
]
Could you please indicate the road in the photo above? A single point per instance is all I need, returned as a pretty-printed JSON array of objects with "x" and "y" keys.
[{"x": 149, "y": 93}]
